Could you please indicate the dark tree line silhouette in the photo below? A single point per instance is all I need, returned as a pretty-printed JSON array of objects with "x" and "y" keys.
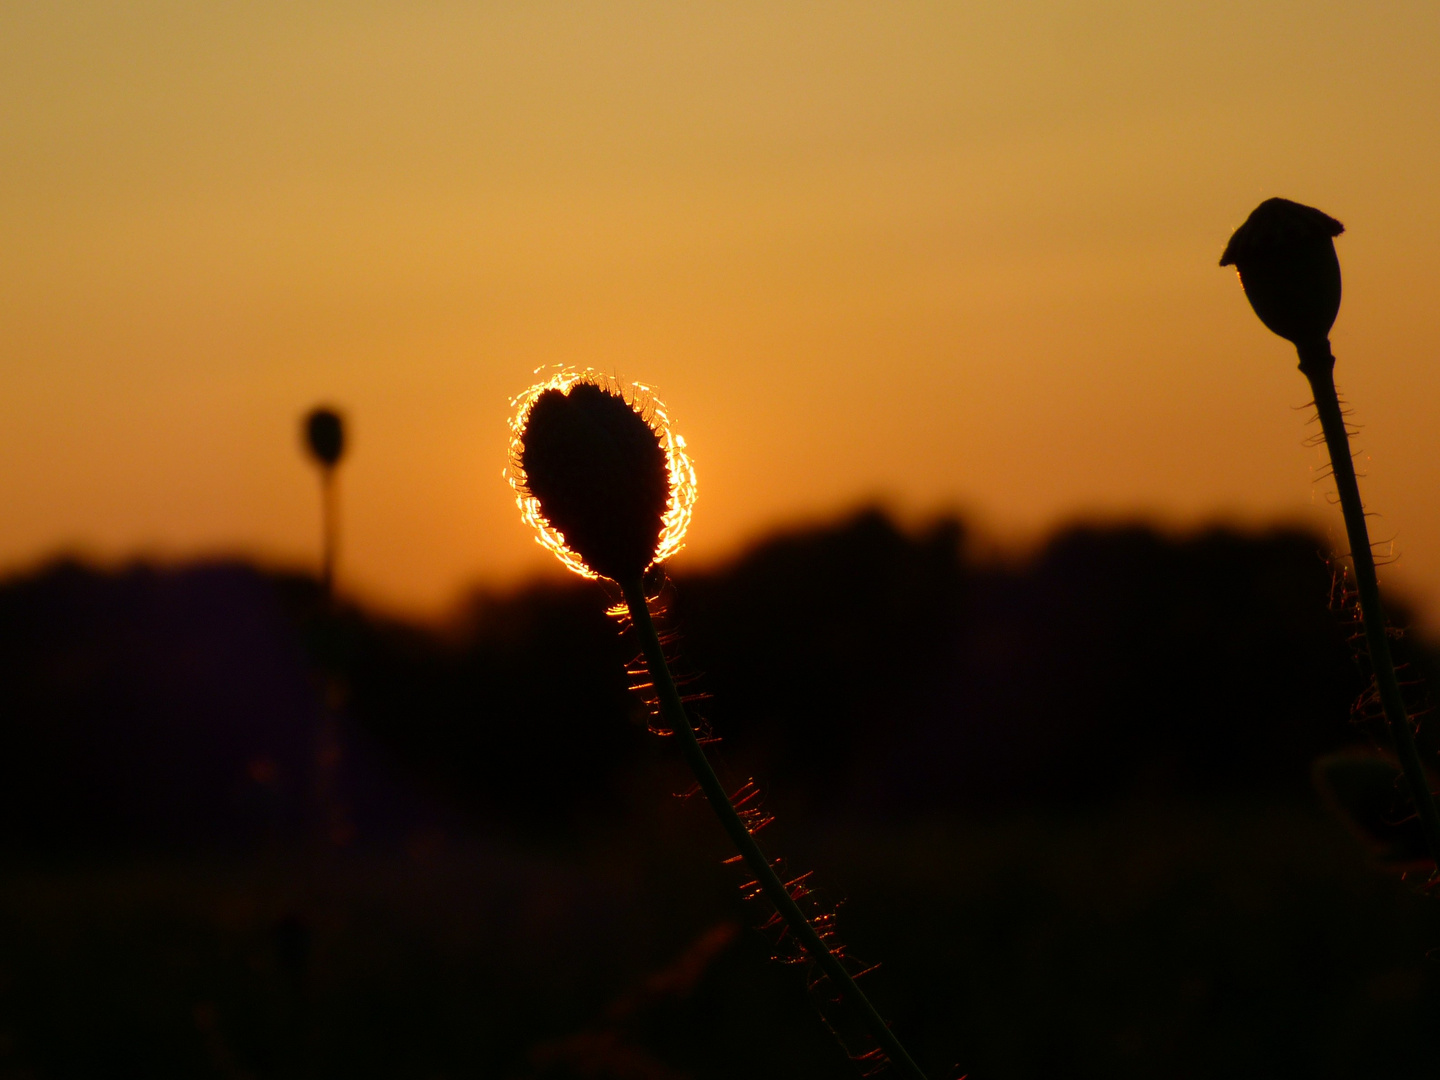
[{"x": 177, "y": 705}]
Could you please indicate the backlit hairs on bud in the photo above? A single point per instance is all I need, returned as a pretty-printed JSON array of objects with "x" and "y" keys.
[{"x": 599, "y": 474}]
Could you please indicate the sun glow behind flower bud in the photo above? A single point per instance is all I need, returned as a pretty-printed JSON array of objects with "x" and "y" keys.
[{"x": 680, "y": 503}]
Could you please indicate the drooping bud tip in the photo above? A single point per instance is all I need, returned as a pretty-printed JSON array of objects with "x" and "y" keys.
[{"x": 1285, "y": 255}]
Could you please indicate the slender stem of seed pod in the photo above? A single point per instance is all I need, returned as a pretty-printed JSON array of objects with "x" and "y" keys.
[
  {"x": 672, "y": 710},
  {"x": 1317, "y": 363},
  {"x": 330, "y": 528}
]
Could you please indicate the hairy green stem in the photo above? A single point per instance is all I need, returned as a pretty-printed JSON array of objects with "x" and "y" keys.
[
  {"x": 1318, "y": 364},
  {"x": 672, "y": 710}
]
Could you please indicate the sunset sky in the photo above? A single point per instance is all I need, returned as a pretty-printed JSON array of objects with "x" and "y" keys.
[{"x": 948, "y": 255}]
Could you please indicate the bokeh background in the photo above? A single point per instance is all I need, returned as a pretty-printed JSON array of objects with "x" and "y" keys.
[{"x": 1013, "y": 581}]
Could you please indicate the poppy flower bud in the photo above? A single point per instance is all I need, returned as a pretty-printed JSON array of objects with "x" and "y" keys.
[
  {"x": 600, "y": 475},
  {"x": 1285, "y": 254},
  {"x": 325, "y": 436}
]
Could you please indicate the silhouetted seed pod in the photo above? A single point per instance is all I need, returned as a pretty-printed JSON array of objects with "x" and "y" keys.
[
  {"x": 600, "y": 474},
  {"x": 325, "y": 436},
  {"x": 1285, "y": 253}
]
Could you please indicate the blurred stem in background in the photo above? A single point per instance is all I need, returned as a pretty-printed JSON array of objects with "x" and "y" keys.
[
  {"x": 329, "y": 538},
  {"x": 324, "y": 431}
]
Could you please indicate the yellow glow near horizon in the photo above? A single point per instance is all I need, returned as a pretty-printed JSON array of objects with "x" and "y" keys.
[{"x": 943, "y": 255}]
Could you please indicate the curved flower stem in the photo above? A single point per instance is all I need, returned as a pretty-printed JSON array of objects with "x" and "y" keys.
[
  {"x": 1318, "y": 364},
  {"x": 672, "y": 710}
]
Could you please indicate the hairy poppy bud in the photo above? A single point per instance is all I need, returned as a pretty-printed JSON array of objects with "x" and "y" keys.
[
  {"x": 1285, "y": 254},
  {"x": 600, "y": 474},
  {"x": 325, "y": 435}
]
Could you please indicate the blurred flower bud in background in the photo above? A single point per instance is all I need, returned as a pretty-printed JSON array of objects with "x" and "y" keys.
[{"x": 325, "y": 435}]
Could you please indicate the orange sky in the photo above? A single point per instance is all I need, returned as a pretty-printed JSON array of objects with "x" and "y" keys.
[{"x": 954, "y": 255}]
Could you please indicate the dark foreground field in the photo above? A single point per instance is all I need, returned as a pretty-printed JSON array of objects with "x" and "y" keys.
[
  {"x": 1070, "y": 804},
  {"x": 1232, "y": 939}
]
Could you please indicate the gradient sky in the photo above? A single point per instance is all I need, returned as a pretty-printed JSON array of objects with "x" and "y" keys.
[{"x": 950, "y": 255}]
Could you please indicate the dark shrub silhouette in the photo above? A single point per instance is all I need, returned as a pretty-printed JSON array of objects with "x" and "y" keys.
[{"x": 162, "y": 703}]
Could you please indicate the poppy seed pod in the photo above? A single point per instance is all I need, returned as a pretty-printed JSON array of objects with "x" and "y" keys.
[
  {"x": 1285, "y": 254},
  {"x": 325, "y": 436},
  {"x": 600, "y": 475}
]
